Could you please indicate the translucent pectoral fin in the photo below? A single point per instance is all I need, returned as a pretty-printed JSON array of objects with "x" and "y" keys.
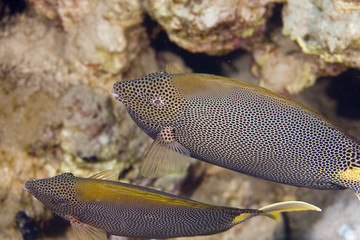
[
  {"x": 273, "y": 210},
  {"x": 84, "y": 231},
  {"x": 165, "y": 156},
  {"x": 106, "y": 175}
]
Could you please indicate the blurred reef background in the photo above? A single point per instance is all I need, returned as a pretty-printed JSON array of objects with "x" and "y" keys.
[{"x": 59, "y": 59}]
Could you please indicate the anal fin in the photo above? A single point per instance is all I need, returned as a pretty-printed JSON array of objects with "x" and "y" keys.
[
  {"x": 84, "y": 231},
  {"x": 165, "y": 155}
]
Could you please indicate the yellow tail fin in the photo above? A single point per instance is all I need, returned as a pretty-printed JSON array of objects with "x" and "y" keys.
[{"x": 273, "y": 210}]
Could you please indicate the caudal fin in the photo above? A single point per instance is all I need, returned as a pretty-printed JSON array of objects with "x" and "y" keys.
[{"x": 273, "y": 210}]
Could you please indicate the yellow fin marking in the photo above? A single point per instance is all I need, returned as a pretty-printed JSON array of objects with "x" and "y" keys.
[
  {"x": 243, "y": 217},
  {"x": 350, "y": 174}
]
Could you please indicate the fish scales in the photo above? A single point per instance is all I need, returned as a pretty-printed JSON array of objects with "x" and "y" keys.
[
  {"x": 264, "y": 137},
  {"x": 97, "y": 207},
  {"x": 241, "y": 127}
]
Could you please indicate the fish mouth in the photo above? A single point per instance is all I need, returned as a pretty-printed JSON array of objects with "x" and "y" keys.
[
  {"x": 24, "y": 188},
  {"x": 26, "y": 185},
  {"x": 117, "y": 96},
  {"x": 114, "y": 94}
]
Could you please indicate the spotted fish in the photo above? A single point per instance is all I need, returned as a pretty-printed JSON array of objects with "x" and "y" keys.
[
  {"x": 97, "y": 207},
  {"x": 238, "y": 126}
]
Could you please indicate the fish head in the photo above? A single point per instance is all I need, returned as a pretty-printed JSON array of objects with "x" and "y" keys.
[
  {"x": 57, "y": 193},
  {"x": 152, "y": 101}
]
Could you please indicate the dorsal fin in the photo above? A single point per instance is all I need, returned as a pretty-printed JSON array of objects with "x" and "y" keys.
[
  {"x": 172, "y": 69},
  {"x": 106, "y": 175}
]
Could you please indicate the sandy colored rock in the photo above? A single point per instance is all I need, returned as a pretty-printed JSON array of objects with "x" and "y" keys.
[
  {"x": 282, "y": 66},
  {"x": 211, "y": 27},
  {"x": 340, "y": 220},
  {"x": 102, "y": 35},
  {"x": 327, "y": 28},
  {"x": 56, "y": 118},
  {"x": 56, "y": 113}
]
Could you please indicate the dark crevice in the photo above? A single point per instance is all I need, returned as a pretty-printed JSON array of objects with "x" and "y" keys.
[
  {"x": 9, "y": 8},
  {"x": 287, "y": 228},
  {"x": 275, "y": 21},
  {"x": 199, "y": 62},
  {"x": 345, "y": 88}
]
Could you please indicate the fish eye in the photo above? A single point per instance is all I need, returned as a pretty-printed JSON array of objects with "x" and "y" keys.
[
  {"x": 61, "y": 201},
  {"x": 157, "y": 101}
]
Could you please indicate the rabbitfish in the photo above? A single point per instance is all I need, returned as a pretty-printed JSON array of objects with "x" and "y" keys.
[
  {"x": 238, "y": 126},
  {"x": 97, "y": 207}
]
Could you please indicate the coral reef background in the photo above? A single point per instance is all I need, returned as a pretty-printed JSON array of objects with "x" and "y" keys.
[{"x": 59, "y": 59}]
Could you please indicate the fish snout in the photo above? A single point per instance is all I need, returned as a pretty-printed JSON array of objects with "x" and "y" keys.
[
  {"x": 29, "y": 185},
  {"x": 115, "y": 92}
]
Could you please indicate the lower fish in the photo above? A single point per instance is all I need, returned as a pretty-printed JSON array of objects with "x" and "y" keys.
[{"x": 97, "y": 206}]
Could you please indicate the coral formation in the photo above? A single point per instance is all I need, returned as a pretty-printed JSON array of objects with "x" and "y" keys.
[
  {"x": 212, "y": 27},
  {"x": 339, "y": 222},
  {"x": 104, "y": 35},
  {"x": 58, "y": 62},
  {"x": 284, "y": 68},
  {"x": 327, "y": 28}
]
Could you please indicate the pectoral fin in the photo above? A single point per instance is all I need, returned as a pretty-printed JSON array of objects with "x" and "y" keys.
[
  {"x": 165, "y": 155},
  {"x": 84, "y": 231},
  {"x": 273, "y": 210}
]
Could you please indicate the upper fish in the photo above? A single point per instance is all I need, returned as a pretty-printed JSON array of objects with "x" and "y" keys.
[
  {"x": 238, "y": 126},
  {"x": 97, "y": 207}
]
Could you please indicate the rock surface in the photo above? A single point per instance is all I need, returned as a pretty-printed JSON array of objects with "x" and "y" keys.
[
  {"x": 282, "y": 66},
  {"x": 327, "y": 28},
  {"x": 212, "y": 27},
  {"x": 56, "y": 113},
  {"x": 102, "y": 35}
]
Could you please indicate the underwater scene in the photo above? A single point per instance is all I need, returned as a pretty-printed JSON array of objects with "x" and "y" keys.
[{"x": 179, "y": 119}]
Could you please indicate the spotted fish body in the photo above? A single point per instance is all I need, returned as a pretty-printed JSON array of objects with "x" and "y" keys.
[
  {"x": 241, "y": 127},
  {"x": 96, "y": 207}
]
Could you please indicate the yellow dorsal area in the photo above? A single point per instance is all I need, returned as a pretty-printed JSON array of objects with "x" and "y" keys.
[
  {"x": 191, "y": 83},
  {"x": 94, "y": 190}
]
